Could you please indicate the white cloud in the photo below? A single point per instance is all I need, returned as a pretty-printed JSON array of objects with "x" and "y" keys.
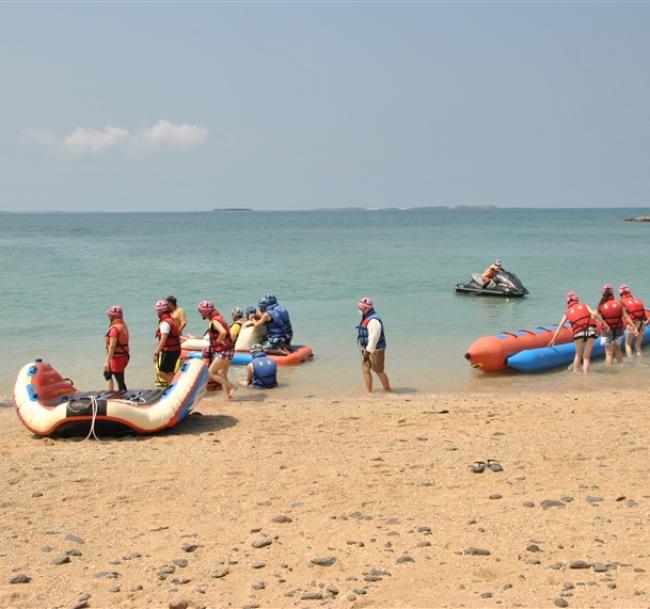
[
  {"x": 91, "y": 141},
  {"x": 163, "y": 136}
]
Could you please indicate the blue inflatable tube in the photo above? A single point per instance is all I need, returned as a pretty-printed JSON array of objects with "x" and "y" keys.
[
  {"x": 241, "y": 358},
  {"x": 534, "y": 360}
]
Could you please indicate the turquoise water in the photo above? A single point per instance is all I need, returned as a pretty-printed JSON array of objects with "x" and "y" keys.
[{"x": 59, "y": 272}]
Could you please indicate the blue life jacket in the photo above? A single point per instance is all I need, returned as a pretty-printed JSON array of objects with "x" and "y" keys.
[
  {"x": 362, "y": 336},
  {"x": 264, "y": 371},
  {"x": 280, "y": 324}
]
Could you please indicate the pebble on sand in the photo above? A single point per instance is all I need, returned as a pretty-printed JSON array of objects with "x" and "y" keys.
[
  {"x": 219, "y": 573},
  {"x": 560, "y": 602},
  {"x": 262, "y": 542},
  {"x": 324, "y": 561},
  {"x": 179, "y": 603},
  {"x": 579, "y": 564},
  {"x": 282, "y": 519},
  {"x": 549, "y": 503},
  {"x": 74, "y": 538},
  {"x": 403, "y": 559},
  {"x": 471, "y": 551},
  {"x": 20, "y": 578}
]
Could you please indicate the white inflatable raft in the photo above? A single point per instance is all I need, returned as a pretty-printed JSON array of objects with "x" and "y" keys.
[{"x": 46, "y": 402}]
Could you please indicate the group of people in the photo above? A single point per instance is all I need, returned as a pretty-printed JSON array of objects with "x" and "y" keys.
[
  {"x": 608, "y": 321},
  {"x": 270, "y": 329}
]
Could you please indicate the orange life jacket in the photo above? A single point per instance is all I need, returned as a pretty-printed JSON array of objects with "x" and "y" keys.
[
  {"x": 173, "y": 342},
  {"x": 122, "y": 346},
  {"x": 612, "y": 313},
  {"x": 215, "y": 343},
  {"x": 634, "y": 307},
  {"x": 579, "y": 317}
]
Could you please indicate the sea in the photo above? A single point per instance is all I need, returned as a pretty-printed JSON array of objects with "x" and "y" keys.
[{"x": 60, "y": 272}]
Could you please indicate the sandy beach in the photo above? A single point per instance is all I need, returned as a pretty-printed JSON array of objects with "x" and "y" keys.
[{"x": 363, "y": 502}]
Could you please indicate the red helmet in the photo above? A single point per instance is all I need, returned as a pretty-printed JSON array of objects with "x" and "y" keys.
[
  {"x": 607, "y": 289},
  {"x": 365, "y": 305},
  {"x": 624, "y": 288},
  {"x": 571, "y": 297},
  {"x": 115, "y": 311},
  {"x": 161, "y": 306},
  {"x": 206, "y": 307}
]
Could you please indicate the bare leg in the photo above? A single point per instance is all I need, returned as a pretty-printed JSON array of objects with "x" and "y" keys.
[
  {"x": 109, "y": 384},
  {"x": 218, "y": 371},
  {"x": 367, "y": 378},
  {"x": 577, "y": 360},
  {"x": 609, "y": 354},
  {"x": 586, "y": 359},
  {"x": 628, "y": 343},
  {"x": 639, "y": 340},
  {"x": 618, "y": 354},
  {"x": 384, "y": 381}
]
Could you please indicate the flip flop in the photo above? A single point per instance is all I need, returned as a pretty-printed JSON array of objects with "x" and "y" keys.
[
  {"x": 478, "y": 467},
  {"x": 495, "y": 466}
]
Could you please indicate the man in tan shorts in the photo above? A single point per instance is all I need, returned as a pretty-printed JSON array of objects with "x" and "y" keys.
[{"x": 373, "y": 344}]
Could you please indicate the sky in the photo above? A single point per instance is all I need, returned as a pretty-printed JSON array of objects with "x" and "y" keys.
[{"x": 277, "y": 105}]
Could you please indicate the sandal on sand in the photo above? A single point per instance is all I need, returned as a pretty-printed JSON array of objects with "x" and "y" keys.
[
  {"x": 478, "y": 467},
  {"x": 495, "y": 466}
]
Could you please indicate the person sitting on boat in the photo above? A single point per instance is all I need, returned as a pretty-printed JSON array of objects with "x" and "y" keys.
[
  {"x": 583, "y": 325},
  {"x": 177, "y": 313},
  {"x": 238, "y": 320},
  {"x": 261, "y": 372},
  {"x": 249, "y": 335},
  {"x": 117, "y": 348},
  {"x": 279, "y": 331},
  {"x": 614, "y": 313},
  {"x": 221, "y": 349},
  {"x": 168, "y": 348},
  {"x": 638, "y": 316},
  {"x": 490, "y": 272}
]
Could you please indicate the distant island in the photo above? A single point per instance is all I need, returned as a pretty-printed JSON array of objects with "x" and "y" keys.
[
  {"x": 638, "y": 219},
  {"x": 420, "y": 208},
  {"x": 232, "y": 209}
]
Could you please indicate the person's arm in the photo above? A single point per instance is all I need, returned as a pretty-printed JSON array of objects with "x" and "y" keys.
[
  {"x": 249, "y": 376},
  {"x": 631, "y": 327},
  {"x": 374, "y": 332},
  {"x": 112, "y": 344},
  {"x": 262, "y": 320},
  {"x": 220, "y": 329},
  {"x": 165, "y": 329},
  {"x": 598, "y": 317},
  {"x": 557, "y": 331}
]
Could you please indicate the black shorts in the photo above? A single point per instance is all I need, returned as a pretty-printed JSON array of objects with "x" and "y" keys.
[{"x": 167, "y": 361}]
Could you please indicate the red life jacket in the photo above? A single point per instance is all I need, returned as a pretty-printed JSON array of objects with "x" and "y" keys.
[
  {"x": 612, "y": 313},
  {"x": 215, "y": 343},
  {"x": 173, "y": 342},
  {"x": 634, "y": 307},
  {"x": 122, "y": 346},
  {"x": 579, "y": 317}
]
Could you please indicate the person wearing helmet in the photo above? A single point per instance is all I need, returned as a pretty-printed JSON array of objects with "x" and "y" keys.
[
  {"x": 635, "y": 308},
  {"x": 275, "y": 319},
  {"x": 490, "y": 272},
  {"x": 614, "y": 313},
  {"x": 237, "y": 322},
  {"x": 168, "y": 348},
  {"x": 249, "y": 335},
  {"x": 371, "y": 339},
  {"x": 261, "y": 372},
  {"x": 583, "y": 324},
  {"x": 177, "y": 313},
  {"x": 117, "y": 348},
  {"x": 221, "y": 348}
]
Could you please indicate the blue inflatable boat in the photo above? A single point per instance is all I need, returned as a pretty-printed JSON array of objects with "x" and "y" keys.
[{"x": 535, "y": 360}]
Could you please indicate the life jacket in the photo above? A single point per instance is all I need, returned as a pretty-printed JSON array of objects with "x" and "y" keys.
[
  {"x": 173, "y": 342},
  {"x": 280, "y": 324},
  {"x": 264, "y": 371},
  {"x": 215, "y": 344},
  {"x": 122, "y": 346},
  {"x": 612, "y": 313},
  {"x": 579, "y": 317},
  {"x": 634, "y": 307},
  {"x": 362, "y": 336}
]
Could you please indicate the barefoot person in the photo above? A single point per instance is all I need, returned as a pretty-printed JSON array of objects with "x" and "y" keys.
[
  {"x": 221, "y": 349},
  {"x": 117, "y": 348},
  {"x": 168, "y": 349},
  {"x": 583, "y": 325},
  {"x": 636, "y": 310},
  {"x": 616, "y": 317},
  {"x": 373, "y": 344}
]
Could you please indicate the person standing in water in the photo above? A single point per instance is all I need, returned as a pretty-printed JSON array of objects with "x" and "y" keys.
[
  {"x": 583, "y": 325},
  {"x": 639, "y": 319},
  {"x": 177, "y": 313},
  {"x": 117, "y": 348},
  {"x": 616, "y": 317},
  {"x": 371, "y": 339}
]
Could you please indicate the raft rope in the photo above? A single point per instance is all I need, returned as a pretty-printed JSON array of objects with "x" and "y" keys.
[{"x": 94, "y": 408}]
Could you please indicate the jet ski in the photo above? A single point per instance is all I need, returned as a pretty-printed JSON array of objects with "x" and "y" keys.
[{"x": 504, "y": 283}]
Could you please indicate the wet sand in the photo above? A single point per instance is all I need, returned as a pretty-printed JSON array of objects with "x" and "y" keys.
[{"x": 236, "y": 506}]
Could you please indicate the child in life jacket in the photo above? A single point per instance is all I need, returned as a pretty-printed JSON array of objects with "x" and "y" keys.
[
  {"x": 635, "y": 308},
  {"x": 583, "y": 320}
]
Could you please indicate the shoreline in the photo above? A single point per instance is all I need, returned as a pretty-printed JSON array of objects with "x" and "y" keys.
[{"x": 382, "y": 485}]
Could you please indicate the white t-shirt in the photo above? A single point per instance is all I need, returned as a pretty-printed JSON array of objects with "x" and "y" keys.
[
  {"x": 374, "y": 333},
  {"x": 165, "y": 327}
]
